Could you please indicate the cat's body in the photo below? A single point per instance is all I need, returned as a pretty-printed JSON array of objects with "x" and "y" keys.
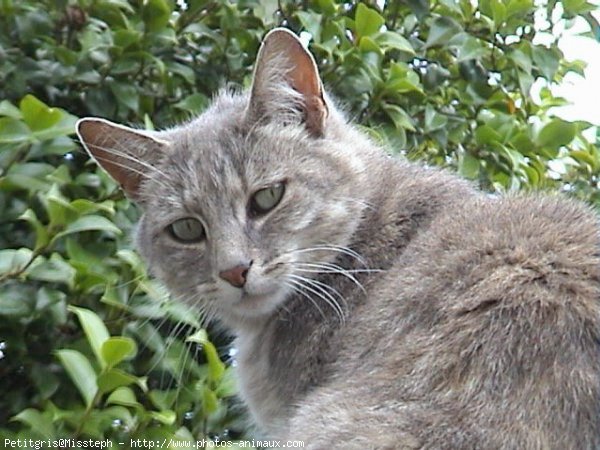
[
  {"x": 375, "y": 303},
  {"x": 482, "y": 333}
]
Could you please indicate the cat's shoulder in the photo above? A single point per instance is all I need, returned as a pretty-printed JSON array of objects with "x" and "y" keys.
[
  {"x": 547, "y": 221},
  {"x": 514, "y": 243}
]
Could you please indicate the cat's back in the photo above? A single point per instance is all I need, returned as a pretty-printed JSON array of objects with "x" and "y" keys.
[
  {"x": 549, "y": 239},
  {"x": 494, "y": 246},
  {"x": 491, "y": 316}
]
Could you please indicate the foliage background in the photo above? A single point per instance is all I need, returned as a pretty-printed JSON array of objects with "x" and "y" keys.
[{"x": 443, "y": 81}]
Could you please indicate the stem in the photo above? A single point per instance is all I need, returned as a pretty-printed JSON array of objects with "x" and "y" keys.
[
  {"x": 17, "y": 273},
  {"x": 86, "y": 414}
]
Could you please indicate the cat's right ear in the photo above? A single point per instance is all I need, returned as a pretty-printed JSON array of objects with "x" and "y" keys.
[
  {"x": 127, "y": 155},
  {"x": 286, "y": 84}
]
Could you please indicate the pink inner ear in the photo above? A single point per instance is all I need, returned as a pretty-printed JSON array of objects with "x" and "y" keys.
[
  {"x": 98, "y": 137},
  {"x": 117, "y": 150},
  {"x": 304, "y": 78}
]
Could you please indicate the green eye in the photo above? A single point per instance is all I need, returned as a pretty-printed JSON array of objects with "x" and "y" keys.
[
  {"x": 187, "y": 230},
  {"x": 266, "y": 199}
]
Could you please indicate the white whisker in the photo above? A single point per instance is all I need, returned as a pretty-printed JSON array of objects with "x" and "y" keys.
[
  {"x": 334, "y": 248},
  {"x": 297, "y": 287},
  {"x": 329, "y": 291},
  {"x": 316, "y": 289},
  {"x": 136, "y": 171},
  {"x": 332, "y": 268},
  {"x": 129, "y": 157}
]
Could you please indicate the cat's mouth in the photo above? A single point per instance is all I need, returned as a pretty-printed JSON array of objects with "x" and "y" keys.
[
  {"x": 248, "y": 298},
  {"x": 260, "y": 303}
]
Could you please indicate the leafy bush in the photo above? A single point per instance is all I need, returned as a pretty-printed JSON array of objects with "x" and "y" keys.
[{"x": 442, "y": 81}]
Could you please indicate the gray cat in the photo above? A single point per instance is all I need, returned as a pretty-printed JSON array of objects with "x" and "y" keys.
[{"x": 376, "y": 304}]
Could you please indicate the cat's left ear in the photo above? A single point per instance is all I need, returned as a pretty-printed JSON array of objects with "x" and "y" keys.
[
  {"x": 128, "y": 155},
  {"x": 284, "y": 63}
]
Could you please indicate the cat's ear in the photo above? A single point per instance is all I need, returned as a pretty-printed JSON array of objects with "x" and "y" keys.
[
  {"x": 286, "y": 81},
  {"x": 128, "y": 155}
]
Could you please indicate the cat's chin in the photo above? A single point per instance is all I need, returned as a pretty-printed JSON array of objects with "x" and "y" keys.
[{"x": 257, "y": 306}]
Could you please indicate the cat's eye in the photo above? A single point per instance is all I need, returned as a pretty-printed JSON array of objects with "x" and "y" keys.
[
  {"x": 187, "y": 230},
  {"x": 264, "y": 200}
]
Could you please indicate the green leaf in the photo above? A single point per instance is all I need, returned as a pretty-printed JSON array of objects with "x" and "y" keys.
[
  {"x": 54, "y": 302},
  {"x": 58, "y": 207},
  {"x": 112, "y": 379},
  {"x": 89, "y": 223},
  {"x": 471, "y": 48},
  {"x": 12, "y": 261},
  {"x": 532, "y": 175},
  {"x": 393, "y": 40},
  {"x": 9, "y": 110},
  {"x": 441, "y": 30},
  {"x": 46, "y": 383},
  {"x": 311, "y": 21},
  {"x": 367, "y": 21},
  {"x": 585, "y": 158},
  {"x": 64, "y": 127},
  {"x": 575, "y": 6},
  {"x": 28, "y": 176},
  {"x": 227, "y": 387},
  {"x": 328, "y": 6},
  {"x": 156, "y": 14},
  {"x": 94, "y": 330},
  {"x": 116, "y": 349},
  {"x": 547, "y": 60},
  {"x": 525, "y": 82},
  {"x": 166, "y": 417},
  {"x": 556, "y": 133},
  {"x": 123, "y": 396},
  {"x": 13, "y": 131},
  {"x": 521, "y": 60},
  {"x": 434, "y": 120},
  {"x": 81, "y": 373},
  {"x": 148, "y": 125},
  {"x": 369, "y": 45},
  {"x": 399, "y": 117},
  {"x": 468, "y": 166},
  {"x": 186, "y": 72},
  {"x": 163, "y": 399},
  {"x": 266, "y": 10},
  {"x": 485, "y": 134},
  {"x": 216, "y": 368},
  {"x": 518, "y": 7},
  {"x": 84, "y": 206},
  {"x": 17, "y": 301},
  {"x": 498, "y": 12},
  {"x": 419, "y": 7},
  {"x": 37, "y": 115},
  {"x": 177, "y": 311},
  {"x": 126, "y": 94},
  {"x": 37, "y": 421},
  {"x": 392, "y": 137},
  {"x": 53, "y": 270},
  {"x": 210, "y": 401},
  {"x": 125, "y": 38},
  {"x": 195, "y": 103},
  {"x": 401, "y": 80}
]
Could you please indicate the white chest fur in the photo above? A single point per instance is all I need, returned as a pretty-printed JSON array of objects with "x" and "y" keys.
[{"x": 256, "y": 388}]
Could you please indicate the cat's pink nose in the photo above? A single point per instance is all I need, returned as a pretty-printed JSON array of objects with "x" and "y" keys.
[{"x": 236, "y": 276}]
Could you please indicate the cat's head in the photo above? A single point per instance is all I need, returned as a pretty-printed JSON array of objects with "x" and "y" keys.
[{"x": 244, "y": 204}]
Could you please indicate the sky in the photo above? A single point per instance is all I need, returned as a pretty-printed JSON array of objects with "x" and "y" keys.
[{"x": 582, "y": 93}]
